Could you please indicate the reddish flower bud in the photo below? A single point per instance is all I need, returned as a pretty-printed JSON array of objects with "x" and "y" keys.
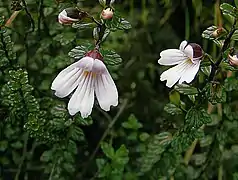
[{"x": 107, "y": 13}]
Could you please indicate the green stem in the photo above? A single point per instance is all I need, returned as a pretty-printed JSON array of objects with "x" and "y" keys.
[
  {"x": 224, "y": 48},
  {"x": 24, "y": 154}
]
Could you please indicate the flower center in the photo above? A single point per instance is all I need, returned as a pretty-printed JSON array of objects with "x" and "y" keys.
[
  {"x": 87, "y": 73},
  {"x": 95, "y": 54}
]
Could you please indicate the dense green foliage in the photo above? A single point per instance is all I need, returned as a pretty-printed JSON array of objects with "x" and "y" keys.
[{"x": 186, "y": 132}]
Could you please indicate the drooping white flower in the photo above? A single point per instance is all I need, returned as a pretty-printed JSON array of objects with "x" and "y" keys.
[
  {"x": 233, "y": 60},
  {"x": 187, "y": 60},
  {"x": 89, "y": 76},
  {"x": 107, "y": 13},
  {"x": 68, "y": 16}
]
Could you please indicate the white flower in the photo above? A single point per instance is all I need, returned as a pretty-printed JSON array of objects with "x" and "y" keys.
[
  {"x": 107, "y": 13},
  {"x": 88, "y": 76},
  {"x": 187, "y": 60},
  {"x": 233, "y": 60},
  {"x": 68, "y": 16}
]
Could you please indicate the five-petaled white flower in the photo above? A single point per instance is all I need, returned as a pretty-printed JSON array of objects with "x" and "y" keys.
[
  {"x": 68, "y": 16},
  {"x": 187, "y": 60},
  {"x": 90, "y": 76}
]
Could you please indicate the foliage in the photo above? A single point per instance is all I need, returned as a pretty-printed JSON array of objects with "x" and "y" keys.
[{"x": 189, "y": 132}]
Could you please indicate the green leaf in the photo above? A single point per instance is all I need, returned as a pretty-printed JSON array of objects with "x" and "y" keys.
[
  {"x": 186, "y": 89},
  {"x": 196, "y": 117},
  {"x": 206, "y": 70},
  {"x": 79, "y": 51},
  {"x": 83, "y": 121},
  {"x": 231, "y": 84},
  {"x": 110, "y": 57},
  {"x": 46, "y": 156},
  {"x": 228, "y": 67},
  {"x": 228, "y": 9},
  {"x": 121, "y": 155},
  {"x": 106, "y": 171},
  {"x": 172, "y": 109},
  {"x": 100, "y": 163},
  {"x": 174, "y": 97},
  {"x": 72, "y": 147},
  {"x": 83, "y": 26},
  {"x": 16, "y": 157},
  {"x": 216, "y": 93},
  {"x": 155, "y": 148},
  {"x": 76, "y": 133},
  {"x": 132, "y": 123},
  {"x": 235, "y": 36},
  {"x": 117, "y": 23},
  {"x": 3, "y": 145},
  {"x": 65, "y": 38},
  {"x": 144, "y": 136},
  {"x": 108, "y": 150},
  {"x": 17, "y": 145},
  {"x": 236, "y": 3},
  {"x": 70, "y": 168},
  {"x": 199, "y": 158},
  {"x": 124, "y": 24},
  {"x": 205, "y": 141}
]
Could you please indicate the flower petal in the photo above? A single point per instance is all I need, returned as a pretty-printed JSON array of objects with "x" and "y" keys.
[
  {"x": 86, "y": 63},
  {"x": 172, "y": 57},
  {"x": 83, "y": 98},
  {"x": 189, "y": 51},
  {"x": 182, "y": 45},
  {"x": 68, "y": 83},
  {"x": 186, "y": 48},
  {"x": 64, "y": 19},
  {"x": 106, "y": 91},
  {"x": 64, "y": 75},
  {"x": 173, "y": 74},
  {"x": 190, "y": 72},
  {"x": 98, "y": 67}
]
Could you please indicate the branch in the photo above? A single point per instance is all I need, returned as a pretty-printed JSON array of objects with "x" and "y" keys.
[{"x": 224, "y": 48}]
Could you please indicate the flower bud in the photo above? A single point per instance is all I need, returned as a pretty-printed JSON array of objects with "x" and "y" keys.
[
  {"x": 218, "y": 32},
  {"x": 107, "y": 13},
  {"x": 233, "y": 60},
  {"x": 69, "y": 16}
]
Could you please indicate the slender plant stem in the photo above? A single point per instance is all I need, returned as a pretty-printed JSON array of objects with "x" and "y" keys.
[
  {"x": 24, "y": 154},
  {"x": 123, "y": 106},
  {"x": 11, "y": 19},
  {"x": 52, "y": 172}
]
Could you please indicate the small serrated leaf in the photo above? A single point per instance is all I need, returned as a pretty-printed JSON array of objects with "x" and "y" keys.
[
  {"x": 186, "y": 89},
  {"x": 108, "y": 150},
  {"x": 110, "y": 57},
  {"x": 79, "y": 51},
  {"x": 172, "y": 109},
  {"x": 228, "y": 9},
  {"x": 196, "y": 117},
  {"x": 124, "y": 24}
]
